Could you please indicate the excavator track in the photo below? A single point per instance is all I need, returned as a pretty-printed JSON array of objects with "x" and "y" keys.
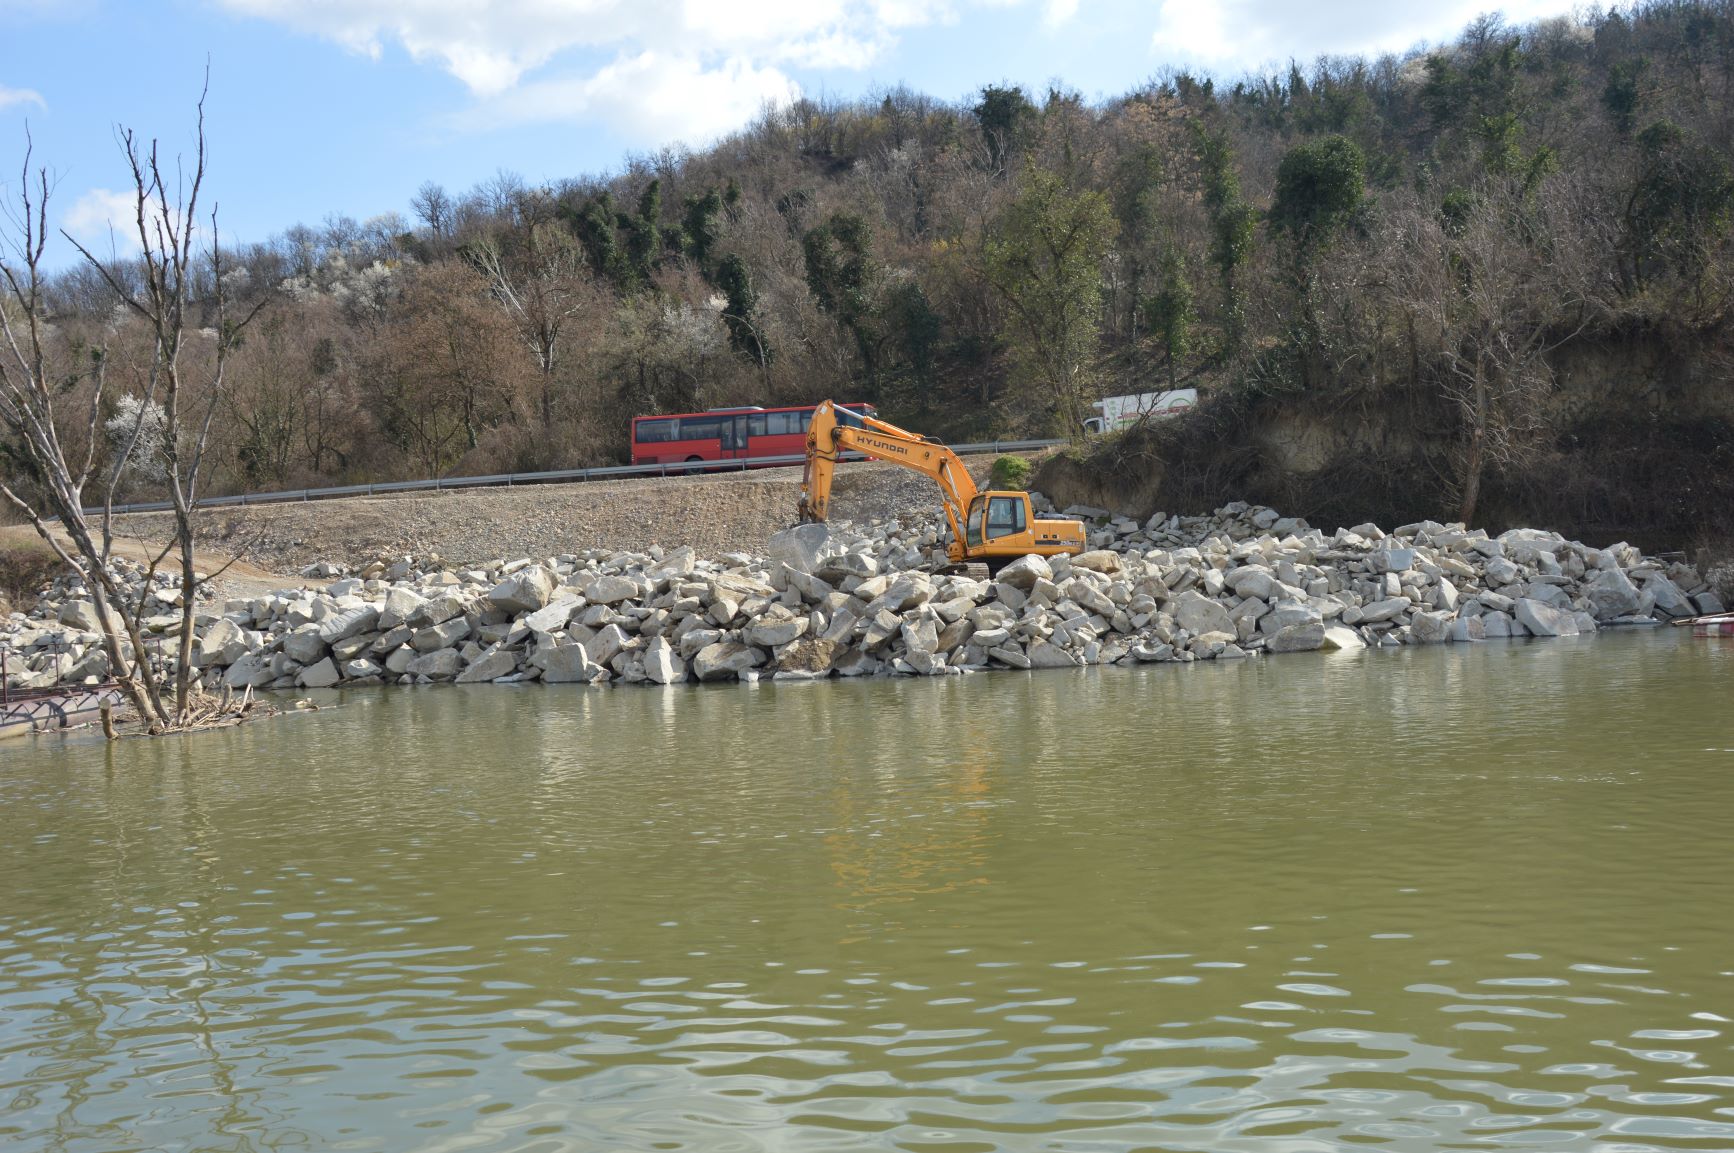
[{"x": 975, "y": 570}]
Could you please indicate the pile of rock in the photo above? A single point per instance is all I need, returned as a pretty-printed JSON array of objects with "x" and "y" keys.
[
  {"x": 858, "y": 602},
  {"x": 58, "y": 642}
]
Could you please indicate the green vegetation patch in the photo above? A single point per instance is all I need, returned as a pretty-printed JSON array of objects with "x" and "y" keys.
[{"x": 1011, "y": 472}]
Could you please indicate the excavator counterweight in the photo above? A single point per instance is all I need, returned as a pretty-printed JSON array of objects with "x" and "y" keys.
[{"x": 990, "y": 527}]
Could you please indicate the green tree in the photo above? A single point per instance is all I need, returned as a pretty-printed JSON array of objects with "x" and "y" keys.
[
  {"x": 1479, "y": 81},
  {"x": 1003, "y": 114},
  {"x": 1624, "y": 92},
  {"x": 1011, "y": 472},
  {"x": 1170, "y": 313},
  {"x": 1319, "y": 186},
  {"x": 840, "y": 267},
  {"x": 621, "y": 247},
  {"x": 1232, "y": 221},
  {"x": 740, "y": 312},
  {"x": 1047, "y": 264},
  {"x": 841, "y": 275},
  {"x": 895, "y": 329},
  {"x": 1679, "y": 210},
  {"x": 909, "y": 378},
  {"x": 701, "y": 226},
  {"x": 1136, "y": 190},
  {"x": 643, "y": 233},
  {"x": 592, "y": 222}
]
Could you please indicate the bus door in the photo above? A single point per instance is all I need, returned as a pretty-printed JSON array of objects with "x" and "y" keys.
[{"x": 734, "y": 438}]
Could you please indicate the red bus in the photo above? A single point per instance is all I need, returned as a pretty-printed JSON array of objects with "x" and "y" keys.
[{"x": 726, "y": 433}]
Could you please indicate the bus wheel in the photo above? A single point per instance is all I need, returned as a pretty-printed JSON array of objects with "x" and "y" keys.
[{"x": 690, "y": 459}]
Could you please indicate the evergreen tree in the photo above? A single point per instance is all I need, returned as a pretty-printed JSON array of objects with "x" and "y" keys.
[{"x": 1046, "y": 262}]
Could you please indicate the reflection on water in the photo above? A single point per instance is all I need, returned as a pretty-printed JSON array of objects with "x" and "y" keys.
[{"x": 1474, "y": 898}]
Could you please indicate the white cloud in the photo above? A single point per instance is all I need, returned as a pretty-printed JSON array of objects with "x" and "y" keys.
[
  {"x": 1239, "y": 34},
  {"x": 491, "y": 44},
  {"x": 97, "y": 214},
  {"x": 1058, "y": 12},
  {"x": 104, "y": 220},
  {"x": 11, "y": 96},
  {"x": 656, "y": 69},
  {"x": 894, "y": 14},
  {"x": 649, "y": 96}
]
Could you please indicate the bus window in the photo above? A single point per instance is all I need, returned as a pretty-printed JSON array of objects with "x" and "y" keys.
[
  {"x": 756, "y": 424},
  {"x": 701, "y": 427},
  {"x": 654, "y": 431}
]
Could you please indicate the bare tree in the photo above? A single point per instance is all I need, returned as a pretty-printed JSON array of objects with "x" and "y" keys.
[
  {"x": 160, "y": 294},
  {"x": 432, "y": 204},
  {"x": 1496, "y": 282},
  {"x": 448, "y": 367},
  {"x": 59, "y": 478},
  {"x": 502, "y": 192},
  {"x": 536, "y": 271}
]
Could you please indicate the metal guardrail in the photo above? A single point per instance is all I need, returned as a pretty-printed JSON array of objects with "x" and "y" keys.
[{"x": 556, "y": 476}]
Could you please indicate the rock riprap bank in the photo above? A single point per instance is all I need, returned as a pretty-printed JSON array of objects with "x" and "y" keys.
[{"x": 1241, "y": 582}]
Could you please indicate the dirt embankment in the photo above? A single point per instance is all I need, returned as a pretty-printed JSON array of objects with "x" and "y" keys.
[
  {"x": 715, "y": 514},
  {"x": 1637, "y": 445}
]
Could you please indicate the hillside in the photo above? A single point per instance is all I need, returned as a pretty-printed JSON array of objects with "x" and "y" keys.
[{"x": 1454, "y": 277}]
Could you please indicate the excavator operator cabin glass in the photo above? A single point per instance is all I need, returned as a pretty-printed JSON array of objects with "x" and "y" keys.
[
  {"x": 1005, "y": 516},
  {"x": 973, "y": 531}
]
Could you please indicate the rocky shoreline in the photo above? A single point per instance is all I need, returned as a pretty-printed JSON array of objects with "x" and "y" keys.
[{"x": 1241, "y": 582}]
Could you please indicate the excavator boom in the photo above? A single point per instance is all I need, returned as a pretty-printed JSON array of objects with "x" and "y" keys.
[
  {"x": 993, "y": 527},
  {"x": 837, "y": 430}
]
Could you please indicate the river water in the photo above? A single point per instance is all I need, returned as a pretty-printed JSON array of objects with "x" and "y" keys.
[{"x": 1452, "y": 898}]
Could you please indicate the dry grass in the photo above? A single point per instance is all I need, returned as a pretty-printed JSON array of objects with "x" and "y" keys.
[{"x": 26, "y": 564}]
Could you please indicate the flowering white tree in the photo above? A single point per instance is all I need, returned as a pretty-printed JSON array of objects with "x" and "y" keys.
[{"x": 137, "y": 435}]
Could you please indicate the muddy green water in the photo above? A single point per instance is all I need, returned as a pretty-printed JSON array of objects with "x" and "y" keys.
[{"x": 1465, "y": 898}]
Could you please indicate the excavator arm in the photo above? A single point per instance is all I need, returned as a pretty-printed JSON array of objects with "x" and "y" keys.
[{"x": 837, "y": 430}]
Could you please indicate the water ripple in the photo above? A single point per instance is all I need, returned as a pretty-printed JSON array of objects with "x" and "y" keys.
[{"x": 1253, "y": 913}]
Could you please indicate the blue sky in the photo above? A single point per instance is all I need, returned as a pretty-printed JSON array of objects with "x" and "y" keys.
[{"x": 346, "y": 106}]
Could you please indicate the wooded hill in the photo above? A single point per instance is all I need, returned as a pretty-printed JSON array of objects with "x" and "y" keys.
[{"x": 1433, "y": 273}]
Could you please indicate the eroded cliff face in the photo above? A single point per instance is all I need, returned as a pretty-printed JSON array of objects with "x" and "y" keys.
[{"x": 1636, "y": 443}]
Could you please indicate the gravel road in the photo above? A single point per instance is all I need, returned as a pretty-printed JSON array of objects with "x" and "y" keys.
[{"x": 715, "y": 514}]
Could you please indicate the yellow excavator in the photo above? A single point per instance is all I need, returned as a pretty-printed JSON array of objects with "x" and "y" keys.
[{"x": 992, "y": 528}]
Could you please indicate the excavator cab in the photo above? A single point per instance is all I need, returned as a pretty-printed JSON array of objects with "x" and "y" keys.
[
  {"x": 995, "y": 516},
  {"x": 1002, "y": 526}
]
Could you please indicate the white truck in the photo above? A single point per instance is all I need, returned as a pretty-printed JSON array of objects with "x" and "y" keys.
[{"x": 1117, "y": 412}]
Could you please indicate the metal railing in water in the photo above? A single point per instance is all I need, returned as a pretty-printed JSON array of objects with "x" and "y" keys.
[{"x": 556, "y": 476}]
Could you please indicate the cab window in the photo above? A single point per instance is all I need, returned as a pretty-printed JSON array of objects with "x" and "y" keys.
[
  {"x": 973, "y": 531},
  {"x": 1005, "y": 516}
]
